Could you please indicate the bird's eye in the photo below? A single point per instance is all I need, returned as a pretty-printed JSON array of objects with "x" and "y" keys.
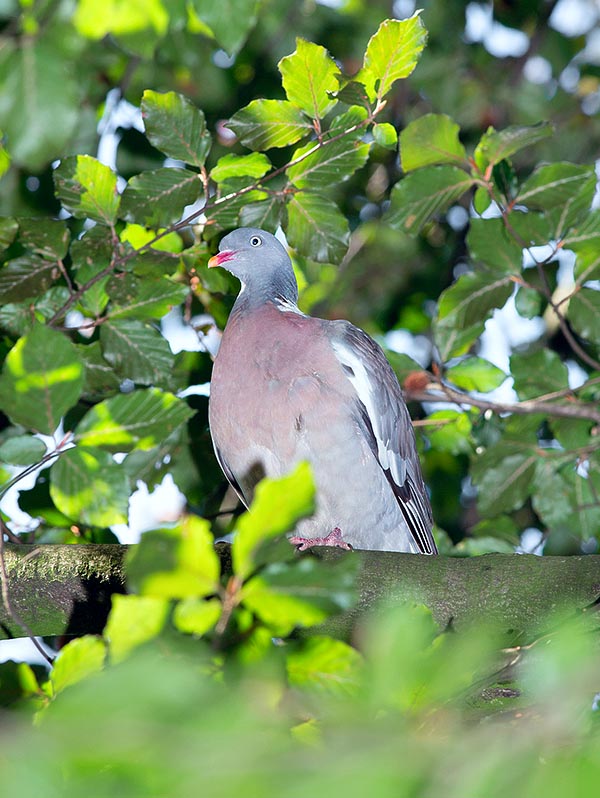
[{"x": 255, "y": 241}]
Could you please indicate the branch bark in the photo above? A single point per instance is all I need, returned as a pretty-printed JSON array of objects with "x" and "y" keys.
[{"x": 63, "y": 590}]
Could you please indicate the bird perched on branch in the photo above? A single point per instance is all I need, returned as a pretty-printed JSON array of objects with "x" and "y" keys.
[{"x": 287, "y": 387}]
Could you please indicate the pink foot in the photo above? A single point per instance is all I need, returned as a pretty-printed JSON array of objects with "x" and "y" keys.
[{"x": 334, "y": 538}]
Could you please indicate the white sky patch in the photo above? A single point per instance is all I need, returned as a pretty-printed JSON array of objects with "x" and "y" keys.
[
  {"x": 405, "y": 343},
  {"x": 538, "y": 70},
  {"x": 151, "y": 510},
  {"x": 497, "y": 39},
  {"x": 574, "y": 17}
]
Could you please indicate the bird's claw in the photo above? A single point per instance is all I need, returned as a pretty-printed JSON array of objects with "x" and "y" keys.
[{"x": 334, "y": 538}]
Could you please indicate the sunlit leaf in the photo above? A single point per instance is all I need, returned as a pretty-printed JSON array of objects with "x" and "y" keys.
[
  {"x": 385, "y": 135},
  {"x": 87, "y": 188},
  {"x": 133, "y": 620},
  {"x": 137, "y": 351},
  {"x": 476, "y": 374},
  {"x": 87, "y": 485},
  {"x": 97, "y": 18},
  {"x": 309, "y": 77},
  {"x": 269, "y": 123},
  {"x": 490, "y": 243},
  {"x": 42, "y": 378},
  {"x": 392, "y": 53},
  {"x": 430, "y": 139},
  {"x": 229, "y": 166},
  {"x": 278, "y": 505},
  {"x": 76, "y": 660},
  {"x": 326, "y": 665},
  {"x": 157, "y": 197},
  {"x": 140, "y": 419},
  {"x": 453, "y": 433},
  {"x": 194, "y": 616},
  {"x": 230, "y": 21},
  {"x": 317, "y": 228}
]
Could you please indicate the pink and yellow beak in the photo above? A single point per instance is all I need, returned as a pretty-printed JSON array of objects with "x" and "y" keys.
[{"x": 220, "y": 258}]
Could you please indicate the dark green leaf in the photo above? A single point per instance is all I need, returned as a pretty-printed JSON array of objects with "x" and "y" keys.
[
  {"x": 42, "y": 378},
  {"x": 496, "y": 145},
  {"x": 26, "y": 277},
  {"x": 87, "y": 188},
  {"x": 22, "y": 450},
  {"x": 157, "y": 198},
  {"x": 528, "y": 302},
  {"x": 100, "y": 377},
  {"x": 44, "y": 237},
  {"x": 584, "y": 314},
  {"x": 152, "y": 300},
  {"x": 553, "y": 496},
  {"x": 317, "y": 228},
  {"x": 420, "y": 196},
  {"x": 554, "y": 184},
  {"x": 88, "y": 486},
  {"x": 230, "y": 21},
  {"x": 430, "y": 139},
  {"x": 310, "y": 76},
  {"x": 504, "y": 478},
  {"x": 269, "y": 123},
  {"x": 137, "y": 351},
  {"x": 586, "y": 234},
  {"x": 537, "y": 374},
  {"x": 175, "y": 126},
  {"x": 39, "y": 100},
  {"x": 140, "y": 419},
  {"x": 587, "y": 265},
  {"x": 464, "y": 307},
  {"x": 531, "y": 228},
  {"x": 265, "y": 214},
  {"x": 392, "y": 53},
  {"x": 490, "y": 243},
  {"x": 335, "y": 161}
]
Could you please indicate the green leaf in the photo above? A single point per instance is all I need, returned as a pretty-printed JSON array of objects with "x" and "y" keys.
[
  {"x": 476, "y": 374},
  {"x": 385, "y": 135},
  {"x": 152, "y": 300},
  {"x": 176, "y": 563},
  {"x": 475, "y": 547},
  {"x": 392, "y": 53},
  {"x": 431, "y": 139},
  {"x": 265, "y": 214},
  {"x": 175, "y": 126},
  {"x": 157, "y": 198},
  {"x": 490, "y": 243},
  {"x": 453, "y": 434},
  {"x": 554, "y": 184},
  {"x": 496, "y": 145},
  {"x": 26, "y": 277},
  {"x": 133, "y": 620},
  {"x": 504, "y": 478},
  {"x": 42, "y": 378},
  {"x": 100, "y": 377},
  {"x": 537, "y": 374},
  {"x": 77, "y": 660},
  {"x": 230, "y": 21},
  {"x": 309, "y": 76},
  {"x": 97, "y": 18},
  {"x": 45, "y": 237},
  {"x": 137, "y": 351},
  {"x": 464, "y": 307},
  {"x": 326, "y": 665},
  {"x": 418, "y": 197},
  {"x": 584, "y": 314},
  {"x": 301, "y": 594},
  {"x": 39, "y": 100},
  {"x": 528, "y": 302},
  {"x": 88, "y": 486},
  {"x": 335, "y": 160},
  {"x": 587, "y": 265},
  {"x": 553, "y": 497},
  {"x": 194, "y": 616},
  {"x": 317, "y": 228},
  {"x": 140, "y": 419},
  {"x": 278, "y": 505},
  {"x": 8, "y": 231},
  {"x": 586, "y": 235},
  {"x": 87, "y": 188},
  {"x": 229, "y": 166},
  {"x": 269, "y": 123},
  {"x": 22, "y": 450}
]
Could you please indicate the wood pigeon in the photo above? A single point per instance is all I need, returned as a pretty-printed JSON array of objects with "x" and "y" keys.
[{"x": 287, "y": 387}]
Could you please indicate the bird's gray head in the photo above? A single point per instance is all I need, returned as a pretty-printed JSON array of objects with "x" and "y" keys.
[{"x": 260, "y": 263}]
